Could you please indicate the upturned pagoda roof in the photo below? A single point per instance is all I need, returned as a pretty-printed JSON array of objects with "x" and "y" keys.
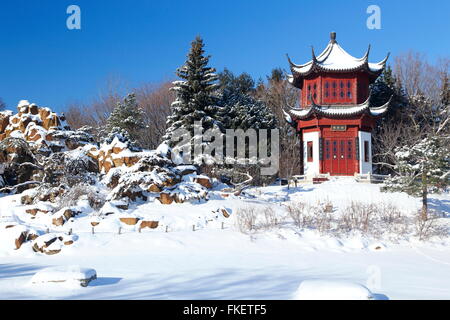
[
  {"x": 336, "y": 111},
  {"x": 334, "y": 59}
]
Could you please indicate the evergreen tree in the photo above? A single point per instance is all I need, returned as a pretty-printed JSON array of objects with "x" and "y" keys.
[
  {"x": 385, "y": 87},
  {"x": 243, "y": 83},
  {"x": 196, "y": 98},
  {"x": 126, "y": 116},
  {"x": 422, "y": 168},
  {"x": 239, "y": 109}
]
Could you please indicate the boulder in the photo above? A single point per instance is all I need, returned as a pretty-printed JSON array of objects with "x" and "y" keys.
[
  {"x": 165, "y": 198},
  {"x": 60, "y": 274},
  {"x": 58, "y": 221},
  {"x": 51, "y": 243},
  {"x": 204, "y": 181},
  {"x": 69, "y": 213},
  {"x": 153, "y": 188},
  {"x": 32, "y": 235},
  {"x": 26, "y": 199},
  {"x": 131, "y": 221},
  {"x": 21, "y": 239},
  {"x": 149, "y": 224},
  {"x": 35, "y": 211}
]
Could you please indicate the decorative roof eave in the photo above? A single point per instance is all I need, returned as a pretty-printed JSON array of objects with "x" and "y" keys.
[
  {"x": 300, "y": 71},
  {"x": 338, "y": 111}
]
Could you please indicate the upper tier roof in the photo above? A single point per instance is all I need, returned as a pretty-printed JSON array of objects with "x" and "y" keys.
[{"x": 335, "y": 59}]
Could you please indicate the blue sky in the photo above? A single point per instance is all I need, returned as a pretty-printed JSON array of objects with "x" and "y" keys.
[{"x": 145, "y": 41}]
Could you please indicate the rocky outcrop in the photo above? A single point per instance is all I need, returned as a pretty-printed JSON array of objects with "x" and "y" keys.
[{"x": 52, "y": 243}]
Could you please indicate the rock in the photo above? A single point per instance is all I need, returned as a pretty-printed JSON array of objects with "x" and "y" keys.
[
  {"x": 178, "y": 198},
  {"x": 50, "y": 252},
  {"x": 76, "y": 274},
  {"x": 68, "y": 242},
  {"x": 165, "y": 198},
  {"x": 58, "y": 221},
  {"x": 35, "y": 211},
  {"x": 51, "y": 243},
  {"x": 120, "y": 204},
  {"x": 149, "y": 224},
  {"x": 204, "y": 181},
  {"x": 21, "y": 239},
  {"x": 225, "y": 212},
  {"x": 95, "y": 223},
  {"x": 4, "y": 121},
  {"x": 154, "y": 188},
  {"x": 69, "y": 213},
  {"x": 32, "y": 236},
  {"x": 131, "y": 221}
]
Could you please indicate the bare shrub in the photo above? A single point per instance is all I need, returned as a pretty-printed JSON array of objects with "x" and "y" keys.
[
  {"x": 391, "y": 219},
  {"x": 300, "y": 213},
  {"x": 323, "y": 221},
  {"x": 357, "y": 216},
  {"x": 79, "y": 192},
  {"x": 429, "y": 227},
  {"x": 271, "y": 219},
  {"x": 246, "y": 219}
]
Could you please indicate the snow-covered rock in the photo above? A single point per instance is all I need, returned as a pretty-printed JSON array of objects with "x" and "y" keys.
[
  {"x": 331, "y": 290},
  {"x": 68, "y": 274}
]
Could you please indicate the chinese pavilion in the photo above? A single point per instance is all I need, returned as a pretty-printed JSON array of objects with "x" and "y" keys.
[{"x": 335, "y": 118}]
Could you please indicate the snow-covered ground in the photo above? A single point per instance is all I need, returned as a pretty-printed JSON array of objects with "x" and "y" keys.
[{"x": 216, "y": 261}]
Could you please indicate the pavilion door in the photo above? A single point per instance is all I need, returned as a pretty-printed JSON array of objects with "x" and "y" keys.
[{"x": 339, "y": 156}]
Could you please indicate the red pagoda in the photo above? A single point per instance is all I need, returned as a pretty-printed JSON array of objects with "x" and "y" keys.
[{"x": 335, "y": 118}]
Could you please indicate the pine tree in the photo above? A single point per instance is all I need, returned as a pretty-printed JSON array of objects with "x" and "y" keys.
[
  {"x": 239, "y": 109},
  {"x": 196, "y": 98},
  {"x": 127, "y": 116},
  {"x": 422, "y": 168}
]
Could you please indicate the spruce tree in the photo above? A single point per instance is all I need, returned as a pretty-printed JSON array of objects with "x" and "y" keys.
[
  {"x": 126, "y": 116},
  {"x": 239, "y": 109},
  {"x": 422, "y": 168},
  {"x": 196, "y": 98}
]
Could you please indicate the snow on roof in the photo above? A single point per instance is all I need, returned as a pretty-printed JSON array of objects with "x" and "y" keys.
[
  {"x": 337, "y": 111},
  {"x": 335, "y": 58}
]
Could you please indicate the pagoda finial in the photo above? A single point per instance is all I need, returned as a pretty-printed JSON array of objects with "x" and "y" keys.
[{"x": 333, "y": 37}]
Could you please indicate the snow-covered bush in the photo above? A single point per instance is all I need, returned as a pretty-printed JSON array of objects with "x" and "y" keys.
[
  {"x": 302, "y": 214},
  {"x": 79, "y": 192},
  {"x": 357, "y": 216},
  {"x": 374, "y": 220},
  {"x": 430, "y": 227},
  {"x": 246, "y": 219}
]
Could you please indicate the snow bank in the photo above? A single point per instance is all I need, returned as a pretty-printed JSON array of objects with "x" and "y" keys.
[{"x": 331, "y": 290}]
